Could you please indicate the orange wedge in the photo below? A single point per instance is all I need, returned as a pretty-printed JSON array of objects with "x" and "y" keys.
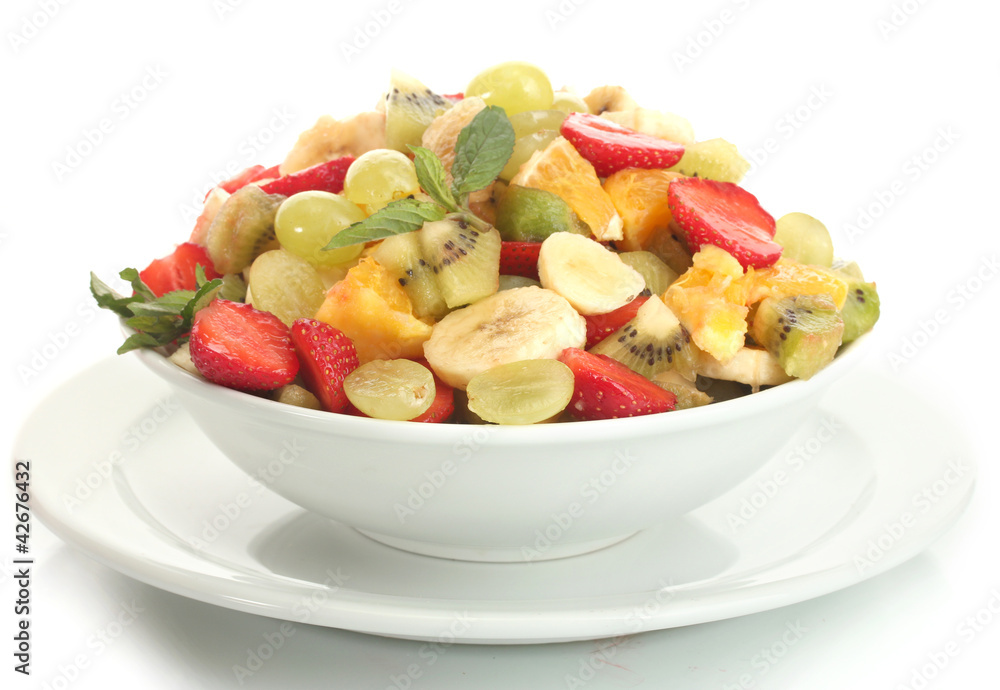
[
  {"x": 640, "y": 197},
  {"x": 787, "y": 278},
  {"x": 559, "y": 169}
]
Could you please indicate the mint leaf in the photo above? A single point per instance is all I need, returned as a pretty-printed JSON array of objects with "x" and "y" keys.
[
  {"x": 483, "y": 148},
  {"x": 399, "y": 217},
  {"x": 432, "y": 176},
  {"x": 107, "y": 298}
]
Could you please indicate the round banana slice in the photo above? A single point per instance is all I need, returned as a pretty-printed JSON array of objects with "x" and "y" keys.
[
  {"x": 749, "y": 365},
  {"x": 593, "y": 279}
]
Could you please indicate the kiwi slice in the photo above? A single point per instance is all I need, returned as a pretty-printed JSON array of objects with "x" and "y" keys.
[
  {"x": 803, "y": 332},
  {"x": 409, "y": 108},
  {"x": 861, "y": 308},
  {"x": 668, "y": 245},
  {"x": 657, "y": 274},
  {"x": 402, "y": 256},
  {"x": 243, "y": 229},
  {"x": 465, "y": 260},
  {"x": 525, "y": 214},
  {"x": 651, "y": 342}
]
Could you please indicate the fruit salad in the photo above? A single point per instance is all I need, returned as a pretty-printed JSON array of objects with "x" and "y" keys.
[{"x": 511, "y": 254}]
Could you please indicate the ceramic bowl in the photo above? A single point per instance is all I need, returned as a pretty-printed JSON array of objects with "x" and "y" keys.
[{"x": 498, "y": 493}]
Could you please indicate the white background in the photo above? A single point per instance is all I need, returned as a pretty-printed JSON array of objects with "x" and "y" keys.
[{"x": 882, "y": 105}]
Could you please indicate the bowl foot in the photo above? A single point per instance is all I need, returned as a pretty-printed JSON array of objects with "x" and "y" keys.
[{"x": 489, "y": 554}]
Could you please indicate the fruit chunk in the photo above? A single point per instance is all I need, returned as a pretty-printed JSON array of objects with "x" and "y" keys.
[
  {"x": 752, "y": 366},
  {"x": 640, "y": 197},
  {"x": 329, "y": 139},
  {"x": 177, "y": 271},
  {"x": 861, "y": 309},
  {"x": 787, "y": 278},
  {"x": 443, "y": 405},
  {"x": 803, "y": 332},
  {"x": 520, "y": 259},
  {"x": 600, "y": 326},
  {"x": 515, "y": 86},
  {"x": 379, "y": 177},
  {"x": 327, "y": 356},
  {"x": 593, "y": 279},
  {"x": 525, "y": 214},
  {"x": 285, "y": 285},
  {"x": 526, "y": 392},
  {"x": 611, "y": 147},
  {"x": 398, "y": 389},
  {"x": 652, "y": 341},
  {"x": 214, "y": 200},
  {"x": 713, "y": 159},
  {"x": 465, "y": 261},
  {"x": 687, "y": 393},
  {"x": 560, "y": 169},
  {"x": 513, "y": 325},
  {"x": 710, "y": 300},
  {"x": 240, "y": 347},
  {"x": 298, "y": 396},
  {"x": 524, "y": 148},
  {"x": 723, "y": 214},
  {"x": 804, "y": 239},
  {"x": 372, "y": 309},
  {"x": 403, "y": 258},
  {"x": 243, "y": 229},
  {"x": 322, "y": 177},
  {"x": 409, "y": 108},
  {"x": 655, "y": 123},
  {"x": 658, "y": 275},
  {"x": 609, "y": 99},
  {"x": 306, "y": 222},
  {"x": 441, "y": 135},
  {"x": 606, "y": 389}
]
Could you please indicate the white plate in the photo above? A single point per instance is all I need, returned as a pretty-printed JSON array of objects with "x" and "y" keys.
[{"x": 122, "y": 473}]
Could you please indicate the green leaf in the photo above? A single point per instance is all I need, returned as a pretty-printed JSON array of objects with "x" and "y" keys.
[
  {"x": 136, "y": 341},
  {"x": 433, "y": 178},
  {"x": 107, "y": 298},
  {"x": 399, "y": 217},
  {"x": 132, "y": 276},
  {"x": 483, "y": 148}
]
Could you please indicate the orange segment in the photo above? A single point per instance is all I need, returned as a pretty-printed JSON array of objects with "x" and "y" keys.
[
  {"x": 372, "y": 309},
  {"x": 560, "y": 169},
  {"x": 787, "y": 278},
  {"x": 710, "y": 301},
  {"x": 640, "y": 197}
]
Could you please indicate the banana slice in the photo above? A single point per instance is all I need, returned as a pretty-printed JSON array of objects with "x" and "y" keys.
[
  {"x": 330, "y": 138},
  {"x": 509, "y": 326},
  {"x": 655, "y": 123},
  {"x": 605, "y": 99},
  {"x": 749, "y": 365},
  {"x": 593, "y": 279}
]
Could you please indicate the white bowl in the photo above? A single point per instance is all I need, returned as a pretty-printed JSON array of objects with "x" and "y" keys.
[{"x": 497, "y": 493}]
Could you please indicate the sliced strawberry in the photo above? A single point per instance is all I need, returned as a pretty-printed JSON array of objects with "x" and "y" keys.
[
  {"x": 610, "y": 147},
  {"x": 453, "y": 97},
  {"x": 324, "y": 177},
  {"x": 245, "y": 177},
  {"x": 240, "y": 347},
  {"x": 726, "y": 215},
  {"x": 327, "y": 357},
  {"x": 606, "y": 389},
  {"x": 519, "y": 259},
  {"x": 177, "y": 271},
  {"x": 600, "y": 326}
]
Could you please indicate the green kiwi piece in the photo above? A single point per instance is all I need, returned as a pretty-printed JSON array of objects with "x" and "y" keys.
[
  {"x": 243, "y": 229},
  {"x": 465, "y": 260},
  {"x": 861, "y": 309},
  {"x": 803, "y": 332},
  {"x": 657, "y": 274},
  {"x": 525, "y": 214},
  {"x": 409, "y": 108},
  {"x": 651, "y": 342},
  {"x": 402, "y": 256}
]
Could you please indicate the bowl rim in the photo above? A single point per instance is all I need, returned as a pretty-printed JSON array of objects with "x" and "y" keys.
[{"x": 712, "y": 415}]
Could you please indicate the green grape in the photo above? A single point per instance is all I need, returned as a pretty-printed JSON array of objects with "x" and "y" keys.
[
  {"x": 655, "y": 272},
  {"x": 531, "y": 121},
  {"x": 514, "y": 86},
  {"x": 569, "y": 102},
  {"x": 378, "y": 177},
  {"x": 523, "y": 148},
  {"x": 286, "y": 285},
  {"x": 307, "y": 221},
  {"x": 525, "y": 392},
  {"x": 804, "y": 239},
  {"x": 397, "y": 389}
]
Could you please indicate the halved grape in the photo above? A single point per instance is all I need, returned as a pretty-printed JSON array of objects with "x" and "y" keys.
[
  {"x": 804, "y": 239},
  {"x": 526, "y": 392},
  {"x": 531, "y": 121},
  {"x": 569, "y": 102},
  {"x": 397, "y": 389},
  {"x": 307, "y": 221},
  {"x": 378, "y": 177},
  {"x": 523, "y": 148},
  {"x": 514, "y": 86},
  {"x": 286, "y": 285}
]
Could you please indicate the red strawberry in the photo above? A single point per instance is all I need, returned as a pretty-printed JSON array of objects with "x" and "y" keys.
[
  {"x": 327, "y": 357},
  {"x": 610, "y": 147},
  {"x": 606, "y": 389},
  {"x": 245, "y": 177},
  {"x": 519, "y": 259},
  {"x": 324, "y": 177},
  {"x": 726, "y": 215},
  {"x": 600, "y": 326},
  {"x": 453, "y": 97},
  {"x": 240, "y": 347},
  {"x": 177, "y": 271}
]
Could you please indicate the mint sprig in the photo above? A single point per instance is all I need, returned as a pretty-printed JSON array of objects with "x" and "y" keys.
[
  {"x": 157, "y": 321},
  {"x": 482, "y": 150}
]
